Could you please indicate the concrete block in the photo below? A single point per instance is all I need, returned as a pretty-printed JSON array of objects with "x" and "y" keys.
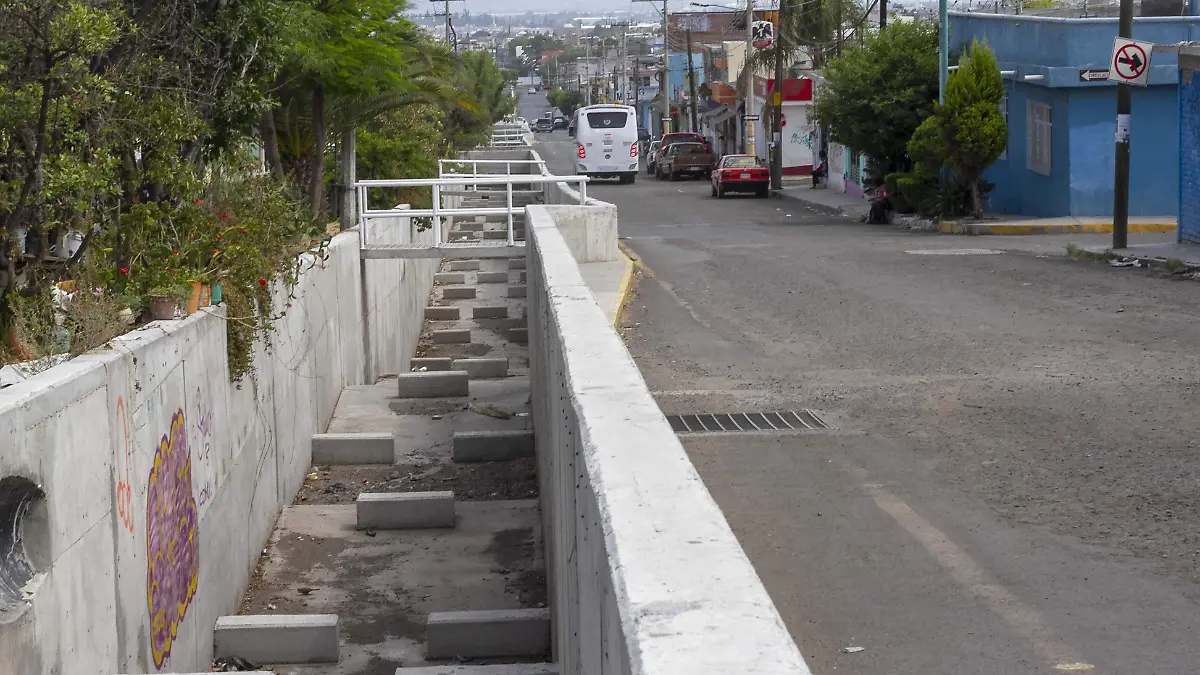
[
  {"x": 503, "y": 669},
  {"x": 441, "y": 313},
  {"x": 488, "y": 634},
  {"x": 496, "y": 234},
  {"x": 518, "y": 335},
  {"x": 493, "y": 277},
  {"x": 470, "y": 227},
  {"x": 431, "y": 364},
  {"x": 458, "y": 292},
  {"x": 278, "y": 638},
  {"x": 464, "y": 265},
  {"x": 492, "y": 446},
  {"x": 405, "y": 510},
  {"x": 451, "y": 336},
  {"x": 490, "y": 312},
  {"x": 516, "y": 291},
  {"x": 516, "y": 263},
  {"x": 353, "y": 449},
  {"x": 482, "y": 369},
  {"x": 449, "y": 278},
  {"x": 433, "y": 385},
  {"x": 522, "y": 275}
]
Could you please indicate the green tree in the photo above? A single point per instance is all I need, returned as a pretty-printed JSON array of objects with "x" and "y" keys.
[
  {"x": 875, "y": 96},
  {"x": 972, "y": 129},
  {"x": 566, "y": 100}
]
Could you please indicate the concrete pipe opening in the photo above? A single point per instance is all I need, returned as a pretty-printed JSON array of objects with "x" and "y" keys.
[{"x": 22, "y": 529}]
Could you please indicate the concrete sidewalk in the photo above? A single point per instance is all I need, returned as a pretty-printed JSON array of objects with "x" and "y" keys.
[
  {"x": 1188, "y": 254},
  {"x": 826, "y": 200}
]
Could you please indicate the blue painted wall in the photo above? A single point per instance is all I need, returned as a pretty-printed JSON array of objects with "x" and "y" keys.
[
  {"x": 1083, "y": 114},
  {"x": 1189, "y": 157},
  {"x": 677, "y": 74}
]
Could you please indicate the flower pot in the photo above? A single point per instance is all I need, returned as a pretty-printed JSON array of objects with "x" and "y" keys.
[
  {"x": 200, "y": 297},
  {"x": 162, "y": 308},
  {"x": 216, "y": 294},
  {"x": 74, "y": 243}
]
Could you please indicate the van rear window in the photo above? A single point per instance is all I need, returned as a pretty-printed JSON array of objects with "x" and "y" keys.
[{"x": 608, "y": 119}]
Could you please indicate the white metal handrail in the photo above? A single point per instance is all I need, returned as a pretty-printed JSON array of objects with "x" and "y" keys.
[
  {"x": 438, "y": 212},
  {"x": 475, "y": 164}
]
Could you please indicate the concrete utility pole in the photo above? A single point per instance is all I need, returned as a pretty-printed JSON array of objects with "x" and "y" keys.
[
  {"x": 1121, "y": 170},
  {"x": 750, "y": 147},
  {"x": 691, "y": 82},
  {"x": 943, "y": 49},
  {"x": 777, "y": 93},
  {"x": 882, "y": 14}
]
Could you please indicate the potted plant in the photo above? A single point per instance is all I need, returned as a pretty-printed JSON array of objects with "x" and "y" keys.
[{"x": 165, "y": 299}]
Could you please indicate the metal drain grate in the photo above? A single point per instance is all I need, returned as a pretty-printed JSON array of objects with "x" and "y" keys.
[{"x": 791, "y": 420}]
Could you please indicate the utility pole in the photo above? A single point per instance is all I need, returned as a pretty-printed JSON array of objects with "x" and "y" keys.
[
  {"x": 777, "y": 94},
  {"x": 883, "y": 14},
  {"x": 1121, "y": 171},
  {"x": 691, "y": 81},
  {"x": 749, "y": 73}
]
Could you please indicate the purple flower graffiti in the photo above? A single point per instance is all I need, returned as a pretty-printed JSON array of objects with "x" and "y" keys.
[{"x": 172, "y": 544}]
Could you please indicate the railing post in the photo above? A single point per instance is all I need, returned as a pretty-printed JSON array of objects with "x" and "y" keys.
[
  {"x": 437, "y": 218},
  {"x": 508, "y": 188},
  {"x": 583, "y": 192}
]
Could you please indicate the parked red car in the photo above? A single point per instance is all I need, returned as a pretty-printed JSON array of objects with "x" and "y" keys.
[{"x": 740, "y": 173}]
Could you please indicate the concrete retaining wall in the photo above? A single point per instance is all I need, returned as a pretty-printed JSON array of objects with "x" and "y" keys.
[
  {"x": 396, "y": 291},
  {"x": 163, "y": 481},
  {"x": 645, "y": 576}
]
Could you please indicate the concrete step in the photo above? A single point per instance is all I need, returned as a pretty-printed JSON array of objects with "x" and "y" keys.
[
  {"x": 442, "y": 314},
  {"x": 464, "y": 265},
  {"x": 492, "y": 446},
  {"x": 516, "y": 264},
  {"x": 505, "y": 669},
  {"x": 449, "y": 278},
  {"x": 429, "y": 364},
  {"x": 447, "y": 384},
  {"x": 516, "y": 290},
  {"x": 458, "y": 293},
  {"x": 278, "y": 638},
  {"x": 490, "y": 312},
  {"x": 492, "y": 278},
  {"x": 451, "y": 336},
  {"x": 482, "y": 369},
  {"x": 404, "y": 510},
  {"x": 449, "y": 251},
  {"x": 488, "y": 634},
  {"x": 363, "y": 448}
]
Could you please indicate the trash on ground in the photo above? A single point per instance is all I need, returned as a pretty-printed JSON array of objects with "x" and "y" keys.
[{"x": 853, "y": 650}]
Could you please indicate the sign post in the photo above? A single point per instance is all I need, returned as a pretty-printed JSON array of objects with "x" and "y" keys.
[{"x": 1130, "y": 65}]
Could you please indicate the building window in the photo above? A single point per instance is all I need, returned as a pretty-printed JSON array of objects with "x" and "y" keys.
[
  {"x": 1004, "y": 113},
  {"x": 1037, "y": 156}
]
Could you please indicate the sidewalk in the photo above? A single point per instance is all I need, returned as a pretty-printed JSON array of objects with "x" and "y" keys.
[
  {"x": 826, "y": 200},
  {"x": 1188, "y": 254}
]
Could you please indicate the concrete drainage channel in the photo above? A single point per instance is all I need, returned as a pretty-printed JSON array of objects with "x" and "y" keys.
[{"x": 415, "y": 545}]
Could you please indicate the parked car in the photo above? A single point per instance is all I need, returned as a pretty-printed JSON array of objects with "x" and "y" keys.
[
  {"x": 740, "y": 173},
  {"x": 560, "y": 122},
  {"x": 543, "y": 124},
  {"x": 684, "y": 159},
  {"x": 684, "y": 137},
  {"x": 650, "y": 155}
]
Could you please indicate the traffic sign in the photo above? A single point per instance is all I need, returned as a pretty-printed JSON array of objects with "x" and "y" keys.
[
  {"x": 751, "y": 118},
  {"x": 1092, "y": 75},
  {"x": 1130, "y": 62}
]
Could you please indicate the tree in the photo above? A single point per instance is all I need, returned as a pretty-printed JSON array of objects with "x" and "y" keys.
[
  {"x": 566, "y": 100},
  {"x": 875, "y": 96},
  {"x": 811, "y": 31},
  {"x": 972, "y": 129}
]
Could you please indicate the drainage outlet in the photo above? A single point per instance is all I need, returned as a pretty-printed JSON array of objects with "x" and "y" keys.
[{"x": 748, "y": 422}]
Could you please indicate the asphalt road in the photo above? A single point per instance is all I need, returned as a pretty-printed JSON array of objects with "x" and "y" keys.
[{"x": 1012, "y": 486}]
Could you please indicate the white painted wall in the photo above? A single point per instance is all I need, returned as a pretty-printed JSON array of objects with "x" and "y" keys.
[
  {"x": 91, "y": 431},
  {"x": 645, "y": 575}
]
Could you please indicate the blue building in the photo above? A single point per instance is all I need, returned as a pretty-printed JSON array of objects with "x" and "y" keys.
[
  {"x": 677, "y": 83},
  {"x": 1062, "y": 124},
  {"x": 1189, "y": 145}
]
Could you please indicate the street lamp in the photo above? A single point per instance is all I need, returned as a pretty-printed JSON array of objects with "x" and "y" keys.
[{"x": 749, "y": 76}]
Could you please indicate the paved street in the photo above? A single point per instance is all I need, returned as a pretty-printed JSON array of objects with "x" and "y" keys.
[{"x": 1011, "y": 487}]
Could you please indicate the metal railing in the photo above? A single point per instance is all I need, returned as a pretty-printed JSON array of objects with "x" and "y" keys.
[
  {"x": 539, "y": 164},
  {"x": 438, "y": 212}
]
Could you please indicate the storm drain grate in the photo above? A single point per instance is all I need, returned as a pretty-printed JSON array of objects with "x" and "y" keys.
[{"x": 791, "y": 420}]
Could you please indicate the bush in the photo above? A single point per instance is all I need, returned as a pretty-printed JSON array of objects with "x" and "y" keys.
[{"x": 899, "y": 186}]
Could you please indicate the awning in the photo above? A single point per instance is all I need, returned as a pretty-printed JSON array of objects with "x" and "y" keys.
[{"x": 718, "y": 115}]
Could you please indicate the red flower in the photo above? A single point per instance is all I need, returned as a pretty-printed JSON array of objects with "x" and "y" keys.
[
  {"x": 262, "y": 281},
  {"x": 124, "y": 270},
  {"x": 197, "y": 200},
  {"x": 174, "y": 252},
  {"x": 222, "y": 216}
]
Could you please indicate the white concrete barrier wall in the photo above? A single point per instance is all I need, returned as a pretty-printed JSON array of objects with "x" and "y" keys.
[
  {"x": 163, "y": 481},
  {"x": 646, "y": 578},
  {"x": 396, "y": 291}
]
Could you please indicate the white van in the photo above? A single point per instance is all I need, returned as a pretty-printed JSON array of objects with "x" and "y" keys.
[{"x": 606, "y": 137}]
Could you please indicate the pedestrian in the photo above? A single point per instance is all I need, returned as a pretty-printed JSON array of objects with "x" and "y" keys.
[{"x": 819, "y": 170}]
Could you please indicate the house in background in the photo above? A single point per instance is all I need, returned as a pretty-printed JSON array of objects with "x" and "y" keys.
[
  {"x": 1062, "y": 121},
  {"x": 1188, "y": 227}
]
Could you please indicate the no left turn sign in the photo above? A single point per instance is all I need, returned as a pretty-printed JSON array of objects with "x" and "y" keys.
[{"x": 1130, "y": 62}]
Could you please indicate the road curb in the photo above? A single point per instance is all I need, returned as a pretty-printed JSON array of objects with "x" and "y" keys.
[
  {"x": 950, "y": 227},
  {"x": 624, "y": 289}
]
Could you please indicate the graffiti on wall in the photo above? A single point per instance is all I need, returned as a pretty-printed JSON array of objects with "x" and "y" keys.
[
  {"x": 205, "y": 479},
  {"x": 124, "y": 487},
  {"x": 172, "y": 539}
]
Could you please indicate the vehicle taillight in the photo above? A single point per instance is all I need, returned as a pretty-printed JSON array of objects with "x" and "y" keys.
[
  {"x": 582, "y": 152},
  {"x": 633, "y": 150}
]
